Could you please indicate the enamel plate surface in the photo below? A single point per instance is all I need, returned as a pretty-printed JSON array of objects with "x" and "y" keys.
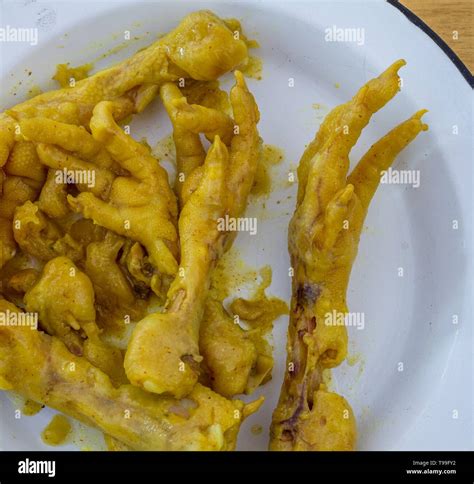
[{"x": 413, "y": 273}]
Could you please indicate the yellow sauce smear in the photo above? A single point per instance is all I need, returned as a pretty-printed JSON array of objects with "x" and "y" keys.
[
  {"x": 270, "y": 156},
  {"x": 57, "y": 431},
  {"x": 164, "y": 149},
  {"x": 33, "y": 91},
  {"x": 230, "y": 275},
  {"x": 65, "y": 74},
  {"x": 255, "y": 316},
  {"x": 353, "y": 359},
  {"x": 260, "y": 311}
]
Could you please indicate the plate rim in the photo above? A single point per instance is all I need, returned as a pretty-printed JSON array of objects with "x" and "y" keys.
[
  {"x": 408, "y": 26},
  {"x": 418, "y": 22}
]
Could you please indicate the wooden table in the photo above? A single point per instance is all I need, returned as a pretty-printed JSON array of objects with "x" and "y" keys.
[{"x": 452, "y": 20}]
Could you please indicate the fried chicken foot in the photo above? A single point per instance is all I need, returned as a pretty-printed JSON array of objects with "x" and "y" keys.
[
  {"x": 116, "y": 300},
  {"x": 163, "y": 353},
  {"x": 20, "y": 181},
  {"x": 40, "y": 368},
  {"x": 41, "y": 237},
  {"x": 323, "y": 240},
  {"x": 63, "y": 297},
  {"x": 229, "y": 353},
  {"x": 189, "y": 120},
  {"x": 237, "y": 360},
  {"x": 201, "y": 47},
  {"x": 142, "y": 206},
  {"x": 128, "y": 191}
]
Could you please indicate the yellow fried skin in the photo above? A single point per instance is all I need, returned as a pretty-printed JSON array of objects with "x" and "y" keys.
[
  {"x": 63, "y": 297},
  {"x": 189, "y": 120},
  {"x": 41, "y": 237},
  {"x": 40, "y": 368},
  {"x": 23, "y": 162},
  {"x": 142, "y": 206},
  {"x": 16, "y": 277},
  {"x": 75, "y": 129},
  {"x": 163, "y": 353},
  {"x": 116, "y": 301},
  {"x": 236, "y": 359},
  {"x": 16, "y": 191},
  {"x": 228, "y": 351},
  {"x": 7, "y": 241},
  {"x": 182, "y": 53},
  {"x": 131, "y": 84},
  {"x": 323, "y": 240},
  {"x": 21, "y": 180},
  {"x": 53, "y": 197},
  {"x": 173, "y": 352}
]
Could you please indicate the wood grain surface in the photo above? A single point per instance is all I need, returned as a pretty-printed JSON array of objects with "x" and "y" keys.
[{"x": 452, "y": 20}]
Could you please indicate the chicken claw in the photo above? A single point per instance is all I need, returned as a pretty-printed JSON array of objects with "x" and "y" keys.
[
  {"x": 163, "y": 353},
  {"x": 20, "y": 181},
  {"x": 174, "y": 355},
  {"x": 41, "y": 237},
  {"x": 323, "y": 240},
  {"x": 63, "y": 297},
  {"x": 182, "y": 53},
  {"x": 189, "y": 120},
  {"x": 142, "y": 206},
  {"x": 40, "y": 368}
]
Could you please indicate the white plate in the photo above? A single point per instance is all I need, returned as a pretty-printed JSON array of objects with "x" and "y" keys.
[{"x": 407, "y": 319}]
